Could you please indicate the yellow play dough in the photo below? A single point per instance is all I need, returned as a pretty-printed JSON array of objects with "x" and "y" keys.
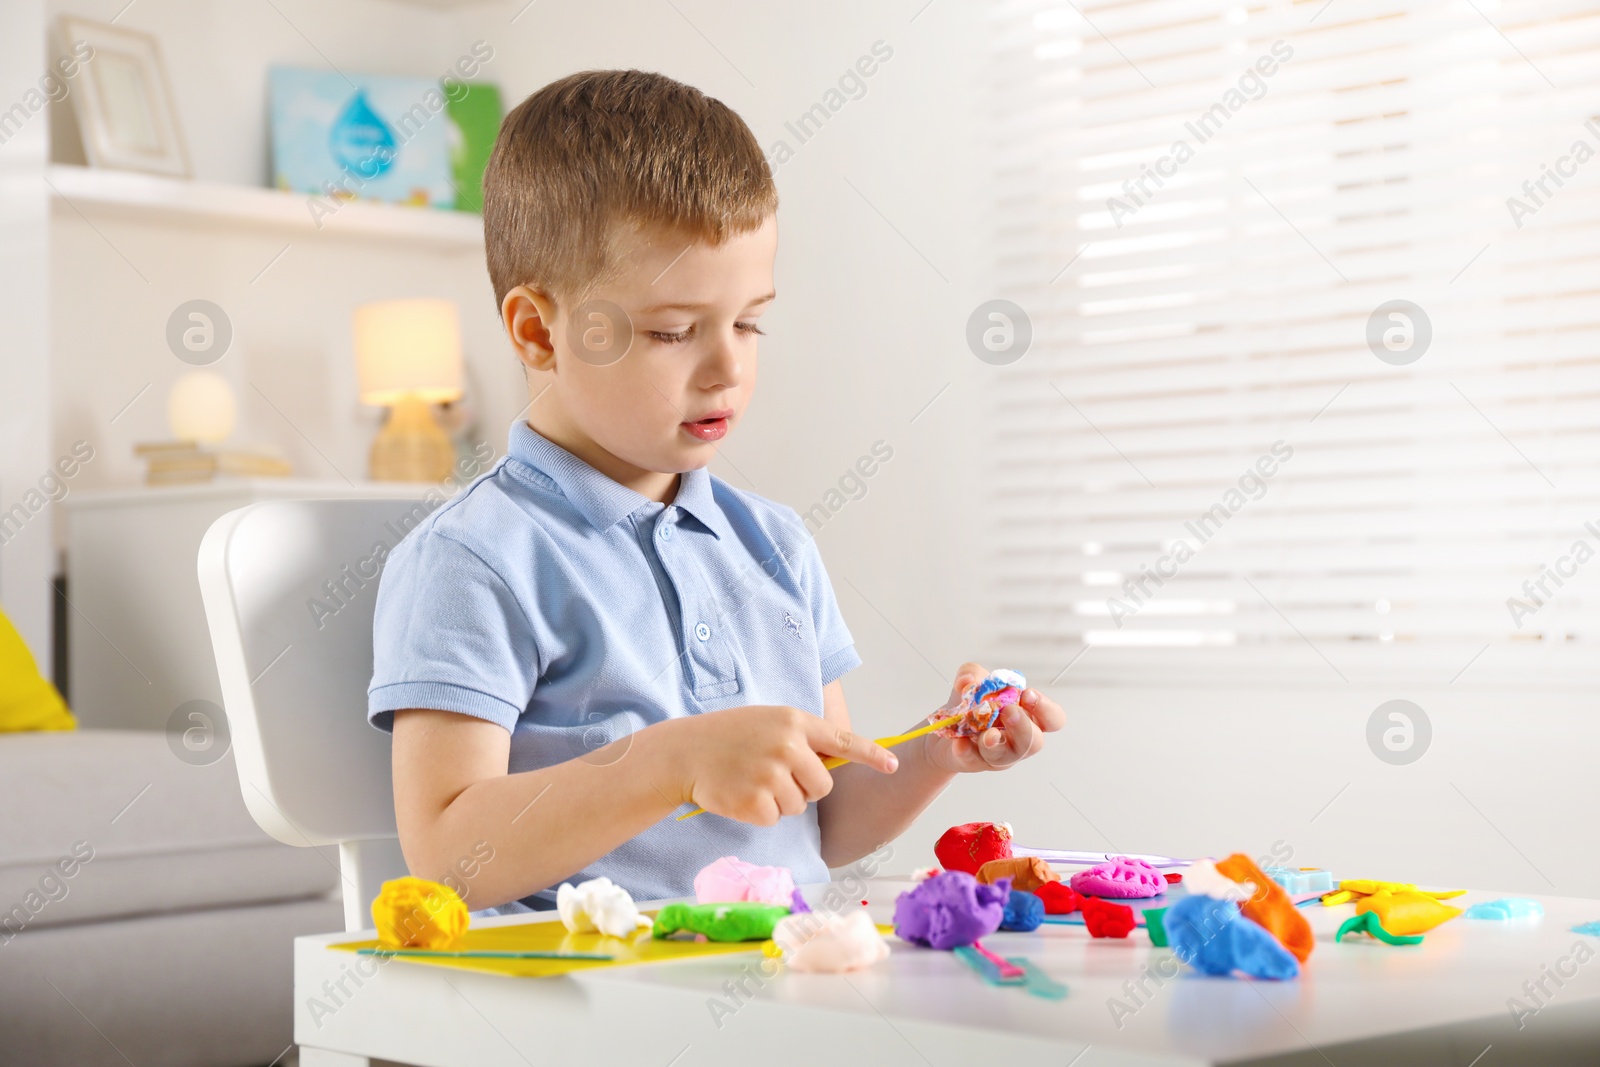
[{"x": 417, "y": 913}]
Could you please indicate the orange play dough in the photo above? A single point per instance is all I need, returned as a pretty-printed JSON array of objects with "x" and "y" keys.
[
  {"x": 1027, "y": 873},
  {"x": 1270, "y": 906}
]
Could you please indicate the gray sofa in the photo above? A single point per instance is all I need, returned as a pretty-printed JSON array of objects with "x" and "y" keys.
[{"x": 144, "y": 917}]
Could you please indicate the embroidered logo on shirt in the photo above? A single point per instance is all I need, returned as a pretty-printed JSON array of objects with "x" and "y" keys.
[{"x": 791, "y": 624}]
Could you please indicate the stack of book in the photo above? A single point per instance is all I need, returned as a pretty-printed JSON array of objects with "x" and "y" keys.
[{"x": 183, "y": 462}]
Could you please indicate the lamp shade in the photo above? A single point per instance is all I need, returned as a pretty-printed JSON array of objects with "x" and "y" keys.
[
  {"x": 408, "y": 348},
  {"x": 200, "y": 407}
]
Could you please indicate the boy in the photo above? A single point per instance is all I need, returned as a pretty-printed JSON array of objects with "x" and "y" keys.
[{"x": 598, "y": 633}]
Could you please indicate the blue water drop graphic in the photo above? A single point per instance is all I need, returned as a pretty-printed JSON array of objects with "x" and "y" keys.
[{"x": 360, "y": 141}]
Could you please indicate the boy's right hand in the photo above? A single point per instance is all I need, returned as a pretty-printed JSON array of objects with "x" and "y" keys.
[{"x": 757, "y": 764}]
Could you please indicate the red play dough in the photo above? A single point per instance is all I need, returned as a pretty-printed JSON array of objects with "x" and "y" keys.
[
  {"x": 972, "y": 844},
  {"x": 1059, "y": 898},
  {"x": 1173, "y": 879},
  {"x": 1105, "y": 919}
]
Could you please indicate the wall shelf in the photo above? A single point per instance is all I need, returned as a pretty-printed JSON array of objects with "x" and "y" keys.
[{"x": 155, "y": 199}]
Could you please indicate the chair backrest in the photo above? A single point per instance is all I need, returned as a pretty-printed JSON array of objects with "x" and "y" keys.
[{"x": 289, "y": 588}]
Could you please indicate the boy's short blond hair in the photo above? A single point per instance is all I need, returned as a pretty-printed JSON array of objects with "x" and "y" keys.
[{"x": 594, "y": 152}]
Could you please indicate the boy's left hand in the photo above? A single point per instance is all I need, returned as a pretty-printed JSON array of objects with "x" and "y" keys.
[{"x": 1018, "y": 733}]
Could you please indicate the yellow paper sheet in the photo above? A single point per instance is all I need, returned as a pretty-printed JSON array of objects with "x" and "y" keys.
[{"x": 553, "y": 937}]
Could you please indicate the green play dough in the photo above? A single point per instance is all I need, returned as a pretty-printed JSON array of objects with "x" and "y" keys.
[
  {"x": 1155, "y": 923},
  {"x": 745, "y": 921},
  {"x": 1368, "y": 922}
]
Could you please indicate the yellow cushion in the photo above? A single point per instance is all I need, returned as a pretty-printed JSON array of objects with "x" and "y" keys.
[{"x": 27, "y": 699}]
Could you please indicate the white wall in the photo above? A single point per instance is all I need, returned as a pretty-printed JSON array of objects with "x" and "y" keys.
[
  {"x": 27, "y": 560},
  {"x": 864, "y": 333}
]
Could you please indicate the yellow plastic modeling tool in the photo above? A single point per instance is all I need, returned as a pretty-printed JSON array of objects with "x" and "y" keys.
[{"x": 887, "y": 742}]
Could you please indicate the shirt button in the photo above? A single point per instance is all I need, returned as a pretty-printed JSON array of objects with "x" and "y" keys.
[
  {"x": 664, "y": 531},
  {"x": 702, "y": 631}
]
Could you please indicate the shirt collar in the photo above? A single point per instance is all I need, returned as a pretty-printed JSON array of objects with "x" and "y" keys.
[
  {"x": 695, "y": 496},
  {"x": 602, "y": 501}
]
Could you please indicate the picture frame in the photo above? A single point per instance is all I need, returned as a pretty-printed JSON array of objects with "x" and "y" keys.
[{"x": 123, "y": 103}]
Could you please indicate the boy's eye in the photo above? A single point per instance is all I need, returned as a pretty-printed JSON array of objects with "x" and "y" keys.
[{"x": 676, "y": 337}]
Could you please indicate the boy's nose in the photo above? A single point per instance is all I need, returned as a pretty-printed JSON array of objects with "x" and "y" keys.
[{"x": 723, "y": 365}]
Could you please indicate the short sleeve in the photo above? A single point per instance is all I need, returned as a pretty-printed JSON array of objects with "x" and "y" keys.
[
  {"x": 835, "y": 647},
  {"x": 448, "y": 633}
]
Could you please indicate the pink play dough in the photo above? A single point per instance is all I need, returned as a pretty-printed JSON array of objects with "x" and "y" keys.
[
  {"x": 1120, "y": 876},
  {"x": 731, "y": 879}
]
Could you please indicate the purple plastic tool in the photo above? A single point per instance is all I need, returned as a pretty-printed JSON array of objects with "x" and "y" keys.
[{"x": 1089, "y": 859}]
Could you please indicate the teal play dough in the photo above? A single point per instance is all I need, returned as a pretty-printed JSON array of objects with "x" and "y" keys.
[{"x": 1506, "y": 908}]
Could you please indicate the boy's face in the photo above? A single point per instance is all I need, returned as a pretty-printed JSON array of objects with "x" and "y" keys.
[{"x": 662, "y": 402}]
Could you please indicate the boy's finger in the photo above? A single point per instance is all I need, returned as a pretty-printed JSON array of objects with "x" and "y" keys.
[
  {"x": 790, "y": 798},
  {"x": 829, "y": 740},
  {"x": 968, "y": 673},
  {"x": 1023, "y": 734},
  {"x": 1043, "y": 711},
  {"x": 813, "y": 779},
  {"x": 1016, "y": 739}
]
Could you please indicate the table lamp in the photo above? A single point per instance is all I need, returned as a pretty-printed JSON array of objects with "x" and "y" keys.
[
  {"x": 408, "y": 357},
  {"x": 201, "y": 408}
]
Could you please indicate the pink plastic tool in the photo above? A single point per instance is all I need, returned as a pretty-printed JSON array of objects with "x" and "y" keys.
[{"x": 1008, "y": 970}]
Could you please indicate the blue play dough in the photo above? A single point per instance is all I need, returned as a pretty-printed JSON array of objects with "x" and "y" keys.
[
  {"x": 1506, "y": 908},
  {"x": 1024, "y": 912},
  {"x": 1211, "y": 936},
  {"x": 1592, "y": 929}
]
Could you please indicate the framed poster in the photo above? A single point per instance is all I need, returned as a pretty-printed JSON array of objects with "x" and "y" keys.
[{"x": 365, "y": 137}]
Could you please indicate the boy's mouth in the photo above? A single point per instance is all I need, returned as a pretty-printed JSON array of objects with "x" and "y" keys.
[{"x": 713, "y": 427}]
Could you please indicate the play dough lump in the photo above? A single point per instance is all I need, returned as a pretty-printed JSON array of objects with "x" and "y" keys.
[
  {"x": 950, "y": 909},
  {"x": 981, "y": 703},
  {"x": 830, "y": 943},
  {"x": 1122, "y": 877},
  {"x": 598, "y": 904},
  {"x": 720, "y": 922},
  {"x": 732, "y": 879},
  {"x": 417, "y": 913}
]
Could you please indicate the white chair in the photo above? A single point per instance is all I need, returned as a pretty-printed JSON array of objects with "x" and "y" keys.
[{"x": 289, "y": 588}]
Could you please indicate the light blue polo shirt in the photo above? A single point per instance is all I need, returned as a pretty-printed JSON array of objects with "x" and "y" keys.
[{"x": 573, "y": 611}]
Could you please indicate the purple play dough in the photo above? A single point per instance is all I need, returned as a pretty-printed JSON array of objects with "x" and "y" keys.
[
  {"x": 950, "y": 909},
  {"x": 797, "y": 904},
  {"x": 1120, "y": 876}
]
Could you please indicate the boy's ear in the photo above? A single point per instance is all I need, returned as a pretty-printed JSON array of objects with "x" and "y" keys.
[{"x": 529, "y": 318}]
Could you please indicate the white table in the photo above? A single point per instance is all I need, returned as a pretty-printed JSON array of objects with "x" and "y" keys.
[{"x": 1358, "y": 1002}]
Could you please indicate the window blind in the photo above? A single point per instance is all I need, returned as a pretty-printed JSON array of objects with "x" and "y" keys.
[{"x": 1229, "y": 453}]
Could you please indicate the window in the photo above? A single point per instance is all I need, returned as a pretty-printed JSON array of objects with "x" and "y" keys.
[{"x": 1313, "y": 391}]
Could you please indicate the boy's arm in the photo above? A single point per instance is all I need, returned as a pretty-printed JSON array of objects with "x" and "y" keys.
[
  {"x": 452, "y": 792},
  {"x": 866, "y": 810}
]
